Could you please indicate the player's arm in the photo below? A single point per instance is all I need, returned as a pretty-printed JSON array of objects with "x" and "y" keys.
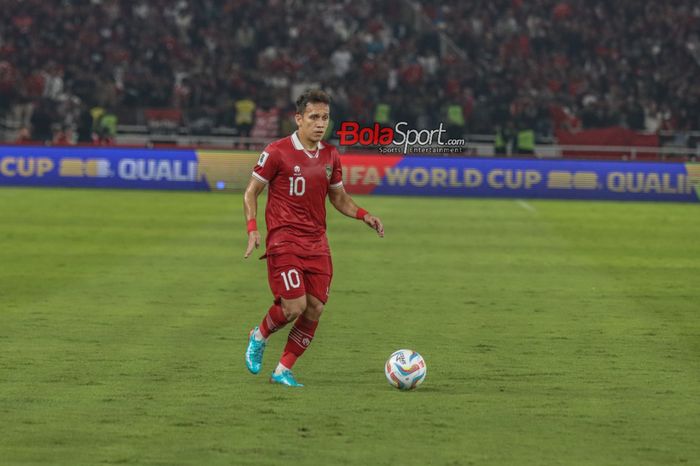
[
  {"x": 250, "y": 207},
  {"x": 342, "y": 201}
]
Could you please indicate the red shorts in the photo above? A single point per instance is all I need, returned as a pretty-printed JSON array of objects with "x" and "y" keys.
[{"x": 291, "y": 276}]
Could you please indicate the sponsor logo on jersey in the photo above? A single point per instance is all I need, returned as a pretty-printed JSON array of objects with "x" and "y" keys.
[{"x": 263, "y": 159}]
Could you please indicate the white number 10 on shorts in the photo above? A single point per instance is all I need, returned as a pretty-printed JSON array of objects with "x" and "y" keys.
[{"x": 291, "y": 279}]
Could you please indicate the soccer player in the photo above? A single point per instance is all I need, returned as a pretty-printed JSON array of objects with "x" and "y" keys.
[{"x": 300, "y": 171}]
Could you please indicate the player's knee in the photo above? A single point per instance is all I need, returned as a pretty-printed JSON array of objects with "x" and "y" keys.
[
  {"x": 314, "y": 310},
  {"x": 293, "y": 308}
]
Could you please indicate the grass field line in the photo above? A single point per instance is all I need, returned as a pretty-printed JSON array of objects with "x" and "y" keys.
[{"x": 526, "y": 205}]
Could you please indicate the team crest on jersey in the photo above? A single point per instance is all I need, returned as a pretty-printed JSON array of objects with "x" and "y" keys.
[
  {"x": 263, "y": 159},
  {"x": 297, "y": 170},
  {"x": 329, "y": 171}
]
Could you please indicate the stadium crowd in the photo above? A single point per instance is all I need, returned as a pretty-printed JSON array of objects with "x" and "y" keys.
[
  {"x": 600, "y": 63},
  {"x": 477, "y": 65}
]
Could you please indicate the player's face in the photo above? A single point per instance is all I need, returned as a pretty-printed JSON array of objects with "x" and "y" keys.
[{"x": 313, "y": 122}]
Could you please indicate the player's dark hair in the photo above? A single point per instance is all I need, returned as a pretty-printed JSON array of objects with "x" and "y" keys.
[{"x": 312, "y": 96}]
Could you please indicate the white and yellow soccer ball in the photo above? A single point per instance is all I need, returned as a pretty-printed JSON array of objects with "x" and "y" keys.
[{"x": 405, "y": 369}]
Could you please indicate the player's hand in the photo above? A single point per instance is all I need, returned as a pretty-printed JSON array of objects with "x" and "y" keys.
[
  {"x": 253, "y": 243},
  {"x": 375, "y": 224}
]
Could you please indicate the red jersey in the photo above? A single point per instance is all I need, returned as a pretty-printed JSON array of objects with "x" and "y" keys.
[{"x": 299, "y": 181}]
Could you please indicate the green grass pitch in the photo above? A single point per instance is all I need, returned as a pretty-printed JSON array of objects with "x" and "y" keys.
[{"x": 555, "y": 333}]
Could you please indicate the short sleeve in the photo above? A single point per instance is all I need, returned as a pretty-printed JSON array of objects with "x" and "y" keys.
[
  {"x": 337, "y": 175},
  {"x": 267, "y": 166}
]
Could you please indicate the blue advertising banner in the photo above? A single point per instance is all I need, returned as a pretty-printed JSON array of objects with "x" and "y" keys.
[
  {"x": 97, "y": 167},
  {"x": 100, "y": 167},
  {"x": 362, "y": 174},
  {"x": 546, "y": 179}
]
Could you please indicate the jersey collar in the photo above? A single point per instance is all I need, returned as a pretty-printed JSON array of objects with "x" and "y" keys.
[{"x": 299, "y": 146}]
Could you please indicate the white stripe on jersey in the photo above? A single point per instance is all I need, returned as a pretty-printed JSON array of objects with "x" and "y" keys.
[{"x": 255, "y": 175}]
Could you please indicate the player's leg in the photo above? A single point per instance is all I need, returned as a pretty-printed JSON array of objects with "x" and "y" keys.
[
  {"x": 286, "y": 282},
  {"x": 298, "y": 340},
  {"x": 302, "y": 333},
  {"x": 280, "y": 314},
  {"x": 314, "y": 308},
  {"x": 294, "y": 310},
  {"x": 273, "y": 321},
  {"x": 317, "y": 281}
]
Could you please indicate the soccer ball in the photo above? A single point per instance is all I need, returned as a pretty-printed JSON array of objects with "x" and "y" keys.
[{"x": 405, "y": 369}]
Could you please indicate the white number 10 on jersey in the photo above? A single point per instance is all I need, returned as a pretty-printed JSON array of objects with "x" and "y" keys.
[{"x": 297, "y": 186}]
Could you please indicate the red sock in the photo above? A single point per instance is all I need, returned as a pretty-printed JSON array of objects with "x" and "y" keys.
[
  {"x": 299, "y": 339},
  {"x": 273, "y": 321}
]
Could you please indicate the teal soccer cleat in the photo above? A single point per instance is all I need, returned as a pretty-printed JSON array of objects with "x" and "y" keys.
[
  {"x": 254, "y": 353},
  {"x": 285, "y": 378}
]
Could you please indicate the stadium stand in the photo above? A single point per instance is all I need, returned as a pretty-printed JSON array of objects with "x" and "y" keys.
[{"x": 78, "y": 67}]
